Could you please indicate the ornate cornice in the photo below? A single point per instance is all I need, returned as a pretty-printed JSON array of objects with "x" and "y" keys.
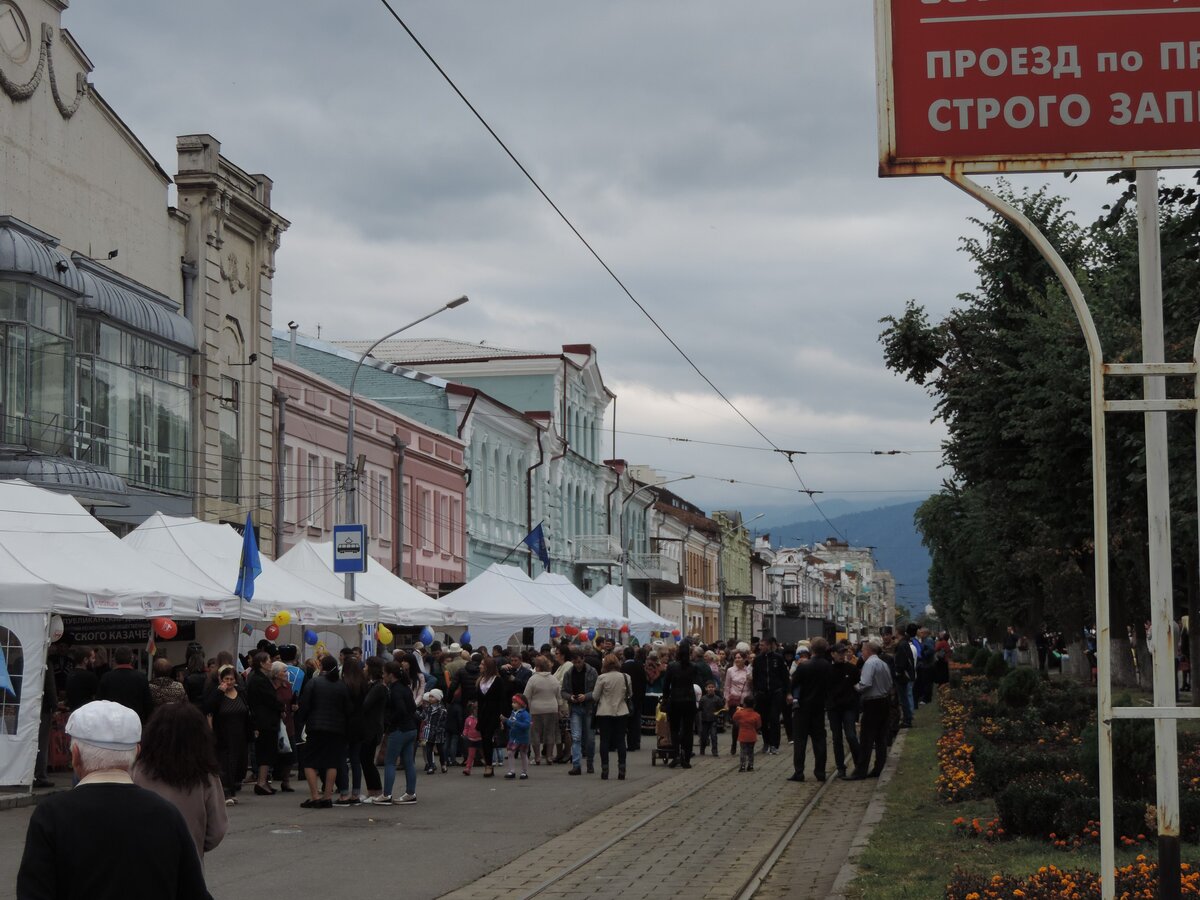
[{"x": 21, "y": 92}]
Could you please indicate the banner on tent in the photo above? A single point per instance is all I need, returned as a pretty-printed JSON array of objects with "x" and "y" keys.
[
  {"x": 159, "y": 606},
  {"x": 212, "y": 609},
  {"x": 104, "y": 606},
  {"x": 350, "y": 617},
  {"x": 104, "y": 630}
]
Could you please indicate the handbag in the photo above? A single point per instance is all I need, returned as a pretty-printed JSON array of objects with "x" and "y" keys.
[
  {"x": 285, "y": 746},
  {"x": 629, "y": 697}
]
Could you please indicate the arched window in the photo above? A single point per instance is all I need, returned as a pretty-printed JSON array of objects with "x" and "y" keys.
[{"x": 14, "y": 662}]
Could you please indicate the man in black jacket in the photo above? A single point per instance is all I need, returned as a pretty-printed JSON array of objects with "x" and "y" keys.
[
  {"x": 810, "y": 692},
  {"x": 124, "y": 685},
  {"x": 637, "y": 679},
  {"x": 842, "y": 707},
  {"x": 770, "y": 678},
  {"x": 906, "y": 671}
]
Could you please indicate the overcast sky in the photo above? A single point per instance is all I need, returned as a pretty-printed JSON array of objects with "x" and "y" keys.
[{"x": 720, "y": 156}]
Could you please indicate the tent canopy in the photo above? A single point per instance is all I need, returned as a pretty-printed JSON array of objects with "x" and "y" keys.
[
  {"x": 56, "y": 557},
  {"x": 214, "y": 552},
  {"x": 588, "y": 612},
  {"x": 643, "y": 620},
  {"x": 496, "y": 605},
  {"x": 397, "y": 600}
]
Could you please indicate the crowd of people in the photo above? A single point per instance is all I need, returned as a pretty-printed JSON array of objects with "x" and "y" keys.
[{"x": 342, "y": 728}]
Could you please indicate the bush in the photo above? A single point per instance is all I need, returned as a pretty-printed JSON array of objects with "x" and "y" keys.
[
  {"x": 997, "y": 765},
  {"x": 1019, "y": 687},
  {"x": 979, "y": 663},
  {"x": 1133, "y": 757},
  {"x": 996, "y": 667},
  {"x": 1065, "y": 702},
  {"x": 1041, "y": 804}
]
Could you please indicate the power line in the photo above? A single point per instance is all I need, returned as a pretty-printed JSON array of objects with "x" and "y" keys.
[{"x": 612, "y": 274}]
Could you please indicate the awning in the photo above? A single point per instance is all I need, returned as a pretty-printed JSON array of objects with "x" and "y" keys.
[
  {"x": 91, "y": 485},
  {"x": 26, "y": 250},
  {"x": 125, "y": 301}
]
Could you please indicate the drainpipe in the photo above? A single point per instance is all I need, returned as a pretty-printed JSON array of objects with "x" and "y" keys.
[
  {"x": 280, "y": 399},
  {"x": 293, "y": 327},
  {"x": 398, "y": 448},
  {"x": 190, "y": 271},
  {"x": 529, "y": 496}
]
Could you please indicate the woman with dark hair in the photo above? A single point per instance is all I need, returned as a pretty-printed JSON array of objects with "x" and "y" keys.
[
  {"x": 286, "y": 757},
  {"x": 178, "y": 761},
  {"x": 265, "y": 712},
  {"x": 324, "y": 717},
  {"x": 372, "y": 714},
  {"x": 400, "y": 720},
  {"x": 349, "y": 783},
  {"x": 679, "y": 697},
  {"x": 495, "y": 691},
  {"x": 195, "y": 680},
  {"x": 229, "y": 718}
]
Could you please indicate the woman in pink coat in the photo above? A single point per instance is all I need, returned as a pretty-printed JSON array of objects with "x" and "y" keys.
[{"x": 738, "y": 684}]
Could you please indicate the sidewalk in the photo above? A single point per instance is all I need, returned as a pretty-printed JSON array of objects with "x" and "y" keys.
[
  {"x": 711, "y": 828},
  {"x": 14, "y": 797}
]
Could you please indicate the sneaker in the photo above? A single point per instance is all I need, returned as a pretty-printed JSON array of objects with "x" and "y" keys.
[
  {"x": 378, "y": 801},
  {"x": 510, "y": 775},
  {"x": 524, "y": 775},
  {"x": 342, "y": 801},
  {"x": 229, "y": 801},
  {"x": 407, "y": 798},
  {"x": 430, "y": 770},
  {"x": 741, "y": 768}
]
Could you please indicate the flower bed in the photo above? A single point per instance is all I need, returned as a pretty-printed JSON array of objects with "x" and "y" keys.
[{"x": 1139, "y": 879}]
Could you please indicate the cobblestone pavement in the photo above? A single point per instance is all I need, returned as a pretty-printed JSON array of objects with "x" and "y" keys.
[{"x": 710, "y": 828}]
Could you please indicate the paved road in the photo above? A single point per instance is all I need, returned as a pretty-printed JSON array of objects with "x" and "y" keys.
[{"x": 709, "y": 829}]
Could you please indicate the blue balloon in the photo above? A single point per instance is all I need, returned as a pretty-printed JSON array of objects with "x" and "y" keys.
[
  {"x": 553, "y": 632},
  {"x": 591, "y": 634},
  {"x": 427, "y": 635},
  {"x": 465, "y": 637},
  {"x": 310, "y": 637}
]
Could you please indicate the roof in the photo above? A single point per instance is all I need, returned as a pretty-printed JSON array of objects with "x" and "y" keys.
[
  {"x": 430, "y": 350},
  {"x": 30, "y": 251},
  {"x": 124, "y": 300}
]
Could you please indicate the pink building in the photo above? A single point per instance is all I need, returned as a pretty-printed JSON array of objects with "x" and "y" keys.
[{"x": 410, "y": 466}]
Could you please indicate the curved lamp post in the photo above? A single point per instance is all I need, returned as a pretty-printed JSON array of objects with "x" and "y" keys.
[{"x": 351, "y": 473}]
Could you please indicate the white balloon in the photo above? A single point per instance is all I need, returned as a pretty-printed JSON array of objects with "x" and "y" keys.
[{"x": 56, "y": 628}]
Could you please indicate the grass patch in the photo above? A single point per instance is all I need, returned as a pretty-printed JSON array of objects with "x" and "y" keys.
[{"x": 914, "y": 849}]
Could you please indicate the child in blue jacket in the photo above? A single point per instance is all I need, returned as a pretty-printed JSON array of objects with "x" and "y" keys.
[{"x": 518, "y": 737}]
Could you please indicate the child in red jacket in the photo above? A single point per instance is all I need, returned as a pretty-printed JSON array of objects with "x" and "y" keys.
[{"x": 748, "y": 724}]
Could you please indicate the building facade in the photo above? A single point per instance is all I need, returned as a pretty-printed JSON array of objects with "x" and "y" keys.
[
  {"x": 110, "y": 314},
  {"x": 411, "y": 487}
]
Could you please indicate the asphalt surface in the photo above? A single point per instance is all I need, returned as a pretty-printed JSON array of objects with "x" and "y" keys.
[{"x": 460, "y": 830}]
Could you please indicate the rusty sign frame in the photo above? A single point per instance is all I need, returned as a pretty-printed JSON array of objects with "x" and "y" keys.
[{"x": 890, "y": 164}]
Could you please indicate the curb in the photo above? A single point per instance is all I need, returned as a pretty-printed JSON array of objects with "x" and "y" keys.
[{"x": 872, "y": 817}]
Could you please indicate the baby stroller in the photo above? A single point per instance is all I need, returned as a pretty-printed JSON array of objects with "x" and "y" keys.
[
  {"x": 650, "y": 704},
  {"x": 664, "y": 748}
]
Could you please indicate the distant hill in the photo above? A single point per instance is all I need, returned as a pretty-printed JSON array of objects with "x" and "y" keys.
[{"x": 890, "y": 530}]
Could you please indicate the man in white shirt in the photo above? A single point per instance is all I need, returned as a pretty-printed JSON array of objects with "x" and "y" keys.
[{"x": 874, "y": 687}]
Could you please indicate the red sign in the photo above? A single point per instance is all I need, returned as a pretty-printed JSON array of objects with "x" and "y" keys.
[{"x": 1022, "y": 85}]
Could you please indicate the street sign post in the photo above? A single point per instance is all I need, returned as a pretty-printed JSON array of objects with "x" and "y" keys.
[
  {"x": 1032, "y": 85},
  {"x": 1040, "y": 85},
  {"x": 349, "y": 548}
]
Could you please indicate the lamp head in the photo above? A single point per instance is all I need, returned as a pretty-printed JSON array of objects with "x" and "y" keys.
[{"x": 454, "y": 304}]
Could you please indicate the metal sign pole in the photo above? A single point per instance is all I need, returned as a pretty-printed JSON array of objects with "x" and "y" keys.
[{"x": 1158, "y": 510}]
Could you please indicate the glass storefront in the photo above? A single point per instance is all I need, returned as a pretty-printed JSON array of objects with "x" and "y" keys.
[{"x": 37, "y": 381}]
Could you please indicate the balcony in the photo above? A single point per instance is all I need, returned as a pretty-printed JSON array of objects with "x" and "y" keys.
[
  {"x": 596, "y": 550},
  {"x": 653, "y": 567}
]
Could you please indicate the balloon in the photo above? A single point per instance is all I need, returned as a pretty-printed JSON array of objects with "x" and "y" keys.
[
  {"x": 321, "y": 648},
  {"x": 310, "y": 637},
  {"x": 426, "y": 636},
  {"x": 165, "y": 628},
  {"x": 383, "y": 634},
  {"x": 271, "y": 631},
  {"x": 625, "y": 628},
  {"x": 56, "y": 628},
  {"x": 283, "y": 617},
  {"x": 591, "y": 633},
  {"x": 553, "y": 632},
  {"x": 675, "y": 633},
  {"x": 570, "y": 630},
  {"x": 465, "y": 637}
]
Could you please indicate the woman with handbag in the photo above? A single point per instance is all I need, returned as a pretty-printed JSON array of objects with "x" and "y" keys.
[
  {"x": 613, "y": 696},
  {"x": 370, "y": 752},
  {"x": 285, "y": 759},
  {"x": 266, "y": 712},
  {"x": 495, "y": 690}
]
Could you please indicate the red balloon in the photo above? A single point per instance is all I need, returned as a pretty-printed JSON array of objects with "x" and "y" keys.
[
  {"x": 675, "y": 632},
  {"x": 165, "y": 628},
  {"x": 624, "y": 629},
  {"x": 570, "y": 630},
  {"x": 271, "y": 631}
]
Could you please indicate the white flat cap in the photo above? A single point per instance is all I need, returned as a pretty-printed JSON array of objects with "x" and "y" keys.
[{"x": 107, "y": 725}]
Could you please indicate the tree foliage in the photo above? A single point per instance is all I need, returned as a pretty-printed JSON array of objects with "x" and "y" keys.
[{"x": 1010, "y": 534}]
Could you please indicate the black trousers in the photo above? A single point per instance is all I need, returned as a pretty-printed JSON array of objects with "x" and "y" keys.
[
  {"x": 633, "y": 726},
  {"x": 923, "y": 689},
  {"x": 771, "y": 712},
  {"x": 808, "y": 724},
  {"x": 842, "y": 724},
  {"x": 872, "y": 735},
  {"x": 682, "y": 717}
]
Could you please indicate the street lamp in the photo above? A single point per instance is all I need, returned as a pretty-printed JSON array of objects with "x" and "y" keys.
[
  {"x": 625, "y": 550},
  {"x": 350, "y": 470}
]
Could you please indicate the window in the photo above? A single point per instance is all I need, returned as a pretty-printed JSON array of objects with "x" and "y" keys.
[
  {"x": 229, "y": 426},
  {"x": 14, "y": 659},
  {"x": 425, "y": 515},
  {"x": 455, "y": 526},
  {"x": 384, "y": 505},
  {"x": 37, "y": 368},
  {"x": 443, "y": 506},
  {"x": 308, "y": 494}
]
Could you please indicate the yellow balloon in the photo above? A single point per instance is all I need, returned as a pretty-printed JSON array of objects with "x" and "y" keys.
[
  {"x": 320, "y": 647},
  {"x": 383, "y": 634},
  {"x": 283, "y": 617}
]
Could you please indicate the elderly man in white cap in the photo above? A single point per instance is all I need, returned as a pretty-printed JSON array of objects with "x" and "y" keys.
[{"x": 146, "y": 852}]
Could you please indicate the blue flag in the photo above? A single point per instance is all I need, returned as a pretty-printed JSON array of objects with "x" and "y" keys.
[
  {"x": 536, "y": 541},
  {"x": 5, "y": 681},
  {"x": 250, "y": 566}
]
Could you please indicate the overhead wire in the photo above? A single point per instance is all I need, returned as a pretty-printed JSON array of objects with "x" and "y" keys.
[{"x": 596, "y": 255}]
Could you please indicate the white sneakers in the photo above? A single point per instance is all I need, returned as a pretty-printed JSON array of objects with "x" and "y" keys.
[{"x": 407, "y": 798}]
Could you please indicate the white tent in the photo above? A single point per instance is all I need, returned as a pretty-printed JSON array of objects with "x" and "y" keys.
[
  {"x": 212, "y": 551},
  {"x": 56, "y": 558},
  {"x": 589, "y": 612},
  {"x": 497, "y": 606},
  {"x": 643, "y": 620},
  {"x": 398, "y": 601}
]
